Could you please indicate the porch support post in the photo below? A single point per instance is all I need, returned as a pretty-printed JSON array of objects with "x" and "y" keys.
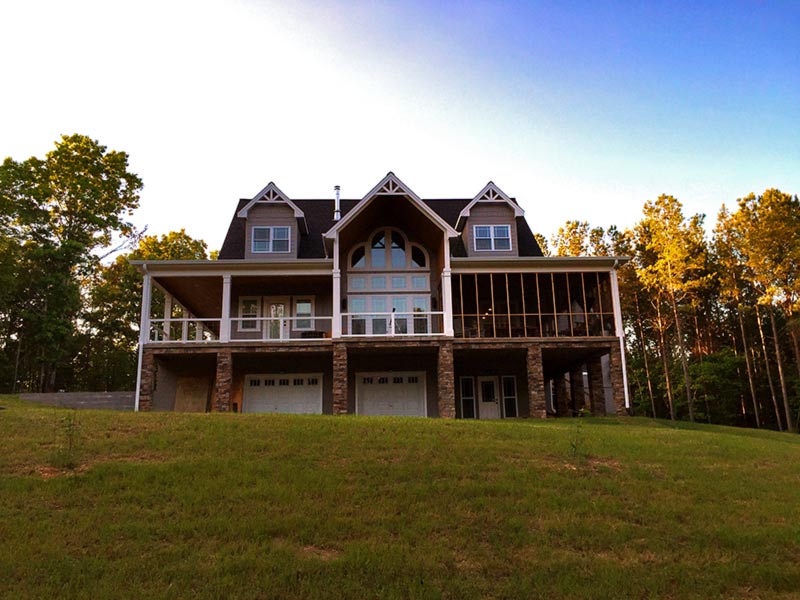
[
  {"x": 578, "y": 392},
  {"x": 224, "y": 380},
  {"x": 447, "y": 292},
  {"x": 597, "y": 397},
  {"x": 617, "y": 380},
  {"x": 147, "y": 375},
  {"x": 446, "y": 381},
  {"x": 225, "y": 323},
  {"x": 536, "y": 397},
  {"x": 167, "y": 315},
  {"x": 336, "y": 324},
  {"x": 144, "y": 335},
  {"x": 620, "y": 335},
  {"x": 340, "y": 391}
]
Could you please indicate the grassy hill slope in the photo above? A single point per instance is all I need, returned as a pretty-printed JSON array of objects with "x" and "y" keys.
[{"x": 178, "y": 505}]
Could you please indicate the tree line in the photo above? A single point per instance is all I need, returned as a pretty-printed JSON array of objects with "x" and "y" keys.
[{"x": 711, "y": 321}]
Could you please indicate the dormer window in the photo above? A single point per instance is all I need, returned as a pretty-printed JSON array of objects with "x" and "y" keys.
[
  {"x": 271, "y": 239},
  {"x": 492, "y": 237}
]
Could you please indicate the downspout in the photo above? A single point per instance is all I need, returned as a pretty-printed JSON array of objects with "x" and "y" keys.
[{"x": 620, "y": 332}]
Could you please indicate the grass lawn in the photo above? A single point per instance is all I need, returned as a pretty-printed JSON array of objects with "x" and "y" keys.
[{"x": 217, "y": 506}]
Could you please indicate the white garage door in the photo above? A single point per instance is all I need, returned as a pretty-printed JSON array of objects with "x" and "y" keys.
[
  {"x": 297, "y": 393},
  {"x": 391, "y": 393}
]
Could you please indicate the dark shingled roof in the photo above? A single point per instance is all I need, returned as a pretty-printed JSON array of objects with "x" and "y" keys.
[{"x": 319, "y": 219}]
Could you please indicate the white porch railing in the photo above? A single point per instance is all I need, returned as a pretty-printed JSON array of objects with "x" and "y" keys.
[
  {"x": 267, "y": 329},
  {"x": 185, "y": 330},
  {"x": 381, "y": 324},
  {"x": 280, "y": 329},
  {"x": 196, "y": 330}
]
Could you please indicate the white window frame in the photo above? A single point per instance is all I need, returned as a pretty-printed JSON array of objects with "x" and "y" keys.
[
  {"x": 492, "y": 238},
  {"x": 271, "y": 241},
  {"x": 474, "y": 397},
  {"x": 310, "y": 317},
  {"x": 513, "y": 379},
  {"x": 240, "y": 324}
]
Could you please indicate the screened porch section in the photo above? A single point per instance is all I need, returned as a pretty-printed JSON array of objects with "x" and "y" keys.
[{"x": 512, "y": 305}]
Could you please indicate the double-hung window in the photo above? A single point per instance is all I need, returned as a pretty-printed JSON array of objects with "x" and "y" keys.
[
  {"x": 271, "y": 239},
  {"x": 492, "y": 237},
  {"x": 303, "y": 313}
]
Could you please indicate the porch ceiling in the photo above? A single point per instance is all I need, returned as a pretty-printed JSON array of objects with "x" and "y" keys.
[{"x": 201, "y": 295}]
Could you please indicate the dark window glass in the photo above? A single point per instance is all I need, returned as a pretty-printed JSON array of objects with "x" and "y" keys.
[
  {"x": 358, "y": 259},
  {"x": 417, "y": 257},
  {"x": 398, "y": 251},
  {"x": 378, "y": 254}
]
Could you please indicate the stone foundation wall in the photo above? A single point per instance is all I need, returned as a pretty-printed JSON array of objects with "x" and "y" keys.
[
  {"x": 446, "y": 381},
  {"x": 340, "y": 377},
  {"x": 223, "y": 381}
]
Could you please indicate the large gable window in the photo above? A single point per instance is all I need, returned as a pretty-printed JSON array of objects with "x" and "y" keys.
[
  {"x": 388, "y": 249},
  {"x": 271, "y": 239},
  {"x": 492, "y": 237}
]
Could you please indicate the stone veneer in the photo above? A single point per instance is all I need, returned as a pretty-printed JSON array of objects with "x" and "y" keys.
[
  {"x": 148, "y": 378},
  {"x": 446, "y": 381},
  {"x": 617, "y": 382},
  {"x": 224, "y": 381},
  {"x": 536, "y": 398},
  {"x": 340, "y": 378},
  {"x": 597, "y": 396}
]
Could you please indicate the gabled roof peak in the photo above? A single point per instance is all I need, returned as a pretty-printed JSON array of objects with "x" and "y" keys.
[
  {"x": 269, "y": 195},
  {"x": 490, "y": 193},
  {"x": 391, "y": 185}
]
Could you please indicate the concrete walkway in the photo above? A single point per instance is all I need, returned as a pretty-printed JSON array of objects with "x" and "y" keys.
[{"x": 105, "y": 400}]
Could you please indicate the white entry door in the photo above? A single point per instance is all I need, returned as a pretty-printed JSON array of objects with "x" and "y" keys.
[
  {"x": 488, "y": 398},
  {"x": 391, "y": 393},
  {"x": 277, "y": 312},
  {"x": 297, "y": 393}
]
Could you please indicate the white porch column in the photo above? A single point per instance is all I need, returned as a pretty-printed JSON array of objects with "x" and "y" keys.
[
  {"x": 144, "y": 332},
  {"x": 447, "y": 291},
  {"x": 167, "y": 314},
  {"x": 225, "y": 323},
  {"x": 620, "y": 333},
  {"x": 336, "y": 323}
]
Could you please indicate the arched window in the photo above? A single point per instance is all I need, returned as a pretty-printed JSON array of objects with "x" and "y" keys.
[
  {"x": 418, "y": 257},
  {"x": 398, "y": 251},
  {"x": 388, "y": 249},
  {"x": 378, "y": 253},
  {"x": 359, "y": 258}
]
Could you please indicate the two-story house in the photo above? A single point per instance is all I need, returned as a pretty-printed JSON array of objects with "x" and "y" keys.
[{"x": 387, "y": 305}]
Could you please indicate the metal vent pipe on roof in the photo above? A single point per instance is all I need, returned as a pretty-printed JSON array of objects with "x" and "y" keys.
[{"x": 337, "y": 211}]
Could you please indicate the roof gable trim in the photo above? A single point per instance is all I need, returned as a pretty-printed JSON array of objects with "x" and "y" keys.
[
  {"x": 391, "y": 185},
  {"x": 271, "y": 195},
  {"x": 490, "y": 194}
]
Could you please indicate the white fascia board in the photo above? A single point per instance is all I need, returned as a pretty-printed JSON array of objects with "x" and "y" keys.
[
  {"x": 194, "y": 268},
  {"x": 500, "y": 197},
  {"x": 537, "y": 264},
  {"x": 258, "y": 199},
  {"x": 403, "y": 189}
]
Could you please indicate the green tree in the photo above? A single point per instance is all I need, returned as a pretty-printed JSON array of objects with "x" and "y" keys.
[
  {"x": 114, "y": 309},
  {"x": 678, "y": 265},
  {"x": 59, "y": 210},
  {"x": 769, "y": 227}
]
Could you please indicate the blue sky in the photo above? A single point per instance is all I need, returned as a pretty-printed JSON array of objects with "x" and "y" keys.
[{"x": 581, "y": 110}]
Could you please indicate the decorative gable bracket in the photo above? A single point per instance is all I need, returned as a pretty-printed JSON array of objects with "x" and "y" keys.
[
  {"x": 272, "y": 195},
  {"x": 490, "y": 194},
  {"x": 391, "y": 185}
]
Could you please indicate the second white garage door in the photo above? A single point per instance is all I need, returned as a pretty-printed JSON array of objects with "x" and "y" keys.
[
  {"x": 391, "y": 393},
  {"x": 298, "y": 393}
]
